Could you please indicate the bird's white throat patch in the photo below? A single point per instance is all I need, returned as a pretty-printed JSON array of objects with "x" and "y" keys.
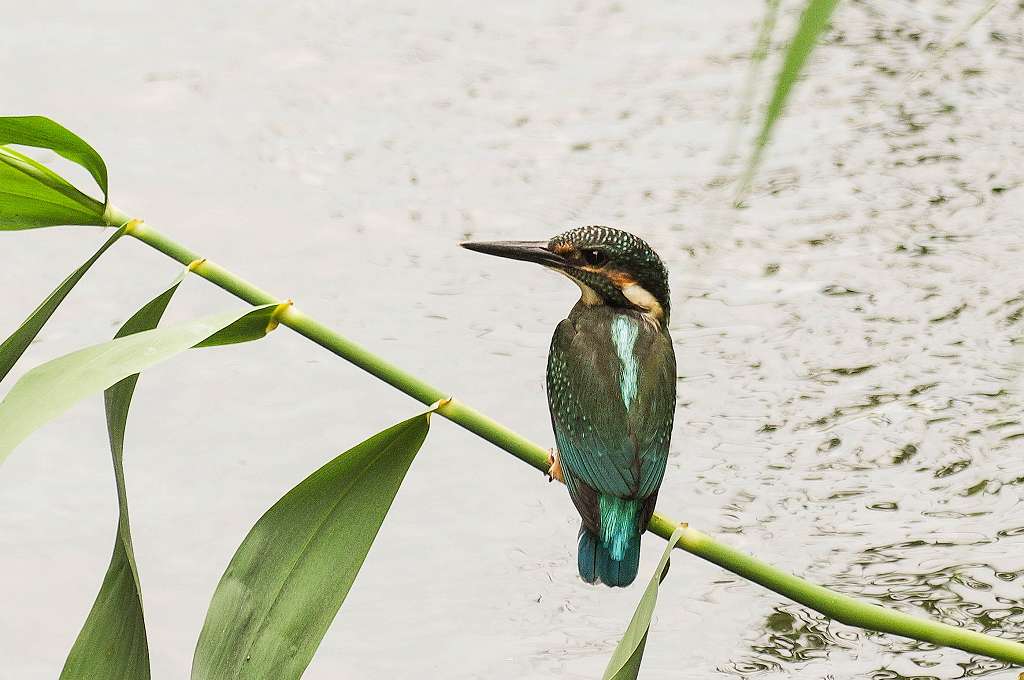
[
  {"x": 653, "y": 313},
  {"x": 643, "y": 299},
  {"x": 588, "y": 295}
]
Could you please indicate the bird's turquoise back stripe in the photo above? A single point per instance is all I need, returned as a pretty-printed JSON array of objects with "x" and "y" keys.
[
  {"x": 618, "y": 524},
  {"x": 624, "y": 335}
]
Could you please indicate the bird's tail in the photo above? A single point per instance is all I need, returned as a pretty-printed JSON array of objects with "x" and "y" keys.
[{"x": 614, "y": 556}]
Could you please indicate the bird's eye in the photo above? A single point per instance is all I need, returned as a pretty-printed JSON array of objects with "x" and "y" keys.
[{"x": 595, "y": 258}]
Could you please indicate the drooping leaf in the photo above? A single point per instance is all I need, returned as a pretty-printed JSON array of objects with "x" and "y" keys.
[
  {"x": 757, "y": 58},
  {"x": 291, "y": 574},
  {"x": 112, "y": 643},
  {"x": 49, "y": 390},
  {"x": 32, "y": 195},
  {"x": 43, "y": 133},
  {"x": 625, "y": 661},
  {"x": 14, "y": 346},
  {"x": 813, "y": 22}
]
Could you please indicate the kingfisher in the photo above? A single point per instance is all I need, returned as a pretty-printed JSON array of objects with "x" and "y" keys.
[{"x": 611, "y": 387}]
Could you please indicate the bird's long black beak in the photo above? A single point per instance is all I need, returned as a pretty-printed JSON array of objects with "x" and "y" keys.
[{"x": 527, "y": 251}]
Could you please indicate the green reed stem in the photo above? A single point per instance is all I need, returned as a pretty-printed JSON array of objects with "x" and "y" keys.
[
  {"x": 837, "y": 606},
  {"x": 842, "y": 608}
]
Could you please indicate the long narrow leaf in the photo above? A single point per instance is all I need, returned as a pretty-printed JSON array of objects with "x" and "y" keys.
[
  {"x": 112, "y": 643},
  {"x": 32, "y": 195},
  {"x": 815, "y": 18},
  {"x": 625, "y": 661},
  {"x": 757, "y": 57},
  {"x": 291, "y": 574},
  {"x": 14, "y": 346},
  {"x": 43, "y": 133},
  {"x": 49, "y": 390}
]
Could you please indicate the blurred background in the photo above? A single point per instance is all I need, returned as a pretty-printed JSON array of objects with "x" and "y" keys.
[{"x": 849, "y": 342}]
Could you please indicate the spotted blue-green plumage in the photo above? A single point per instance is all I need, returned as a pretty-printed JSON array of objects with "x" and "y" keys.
[
  {"x": 611, "y": 388},
  {"x": 612, "y": 421},
  {"x": 611, "y": 392}
]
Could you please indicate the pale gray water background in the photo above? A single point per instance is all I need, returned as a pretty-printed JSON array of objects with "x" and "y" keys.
[{"x": 850, "y": 405}]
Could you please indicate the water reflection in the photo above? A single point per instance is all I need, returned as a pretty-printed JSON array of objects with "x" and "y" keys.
[
  {"x": 890, "y": 420},
  {"x": 972, "y": 595},
  {"x": 849, "y": 345}
]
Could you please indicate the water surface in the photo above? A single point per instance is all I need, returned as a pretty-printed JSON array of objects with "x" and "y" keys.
[{"x": 849, "y": 343}]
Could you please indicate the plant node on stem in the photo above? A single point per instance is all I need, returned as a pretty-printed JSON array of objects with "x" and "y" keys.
[{"x": 842, "y": 608}]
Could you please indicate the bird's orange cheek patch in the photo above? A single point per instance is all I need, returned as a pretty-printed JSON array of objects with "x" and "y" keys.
[{"x": 620, "y": 279}]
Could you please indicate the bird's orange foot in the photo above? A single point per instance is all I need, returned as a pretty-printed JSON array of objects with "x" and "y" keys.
[{"x": 555, "y": 469}]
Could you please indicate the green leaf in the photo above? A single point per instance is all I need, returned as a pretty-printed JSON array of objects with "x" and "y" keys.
[
  {"x": 32, "y": 195},
  {"x": 44, "y": 133},
  {"x": 757, "y": 58},
  {"x": 49, "y": 390},
  {"x": 813, "y": 22},
  {"x": 28, "y": 203},
  {"x": 252, "y": 326},
  {"x": 14, "y": 346},
  {"x": 625, "y": 661},
  {"x": 291, "y": 574},
  {"x": 112, "y": 644}
]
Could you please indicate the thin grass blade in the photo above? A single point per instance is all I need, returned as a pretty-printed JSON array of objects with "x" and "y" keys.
[
  {"x": 49, "y": 390},
  {"x": 815, "y": 19},
  {"x": 291, "y": 574},
  {"x": 955, "y": 40},
  {"x": 757, "y": 58},
  {"x": 14, "y": 346},
  {"x": 32, "y": 195},
  {"x": 112, "y": 643},
  {"x": 625, "y": 661}
]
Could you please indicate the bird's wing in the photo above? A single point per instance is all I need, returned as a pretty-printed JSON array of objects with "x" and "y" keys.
[
  {"x": 652, "y": 413},
  {"x": 609, "y": 448}
]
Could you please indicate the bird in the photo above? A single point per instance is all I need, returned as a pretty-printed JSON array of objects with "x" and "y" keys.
[{"x": 611, "y": 388}]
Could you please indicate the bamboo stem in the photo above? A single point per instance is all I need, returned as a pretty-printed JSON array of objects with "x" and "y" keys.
[{"x": 837, "y": 606}]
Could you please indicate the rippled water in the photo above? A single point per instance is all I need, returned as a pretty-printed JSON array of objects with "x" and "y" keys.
[{"x": 850, "y": 342}]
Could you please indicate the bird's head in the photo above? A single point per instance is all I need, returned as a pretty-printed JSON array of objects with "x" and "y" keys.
[{"x": 611, "y": 266}]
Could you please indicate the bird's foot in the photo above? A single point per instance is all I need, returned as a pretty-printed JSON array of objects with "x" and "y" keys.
[{"x": 555, "y": 470}]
